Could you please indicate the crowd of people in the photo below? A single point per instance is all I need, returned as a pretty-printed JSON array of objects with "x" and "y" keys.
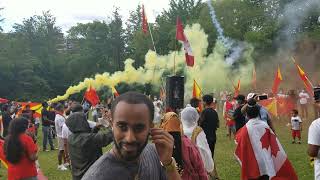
[{"x": 148, "y": 140}]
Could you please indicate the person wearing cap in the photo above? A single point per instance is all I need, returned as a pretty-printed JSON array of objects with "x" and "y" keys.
[
  {"x": 238, "y": 116},
  {"x": 263, "y": 112},
  {"x": 314, "y": 140},
  {"x": 189, "y": 118}
]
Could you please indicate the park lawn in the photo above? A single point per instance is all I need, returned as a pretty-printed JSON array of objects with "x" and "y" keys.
[{"x": 227, "y": 166}]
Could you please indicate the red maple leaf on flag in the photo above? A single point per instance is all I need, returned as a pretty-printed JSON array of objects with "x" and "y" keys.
[{"x": 270, "y": 140}]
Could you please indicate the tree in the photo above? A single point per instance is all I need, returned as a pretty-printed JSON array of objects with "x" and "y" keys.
[
  {"x": 1, "y": 20},
  {"x": 117, "y": 35}
]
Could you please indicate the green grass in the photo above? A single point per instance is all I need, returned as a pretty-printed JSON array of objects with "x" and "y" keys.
[{"x": 227, "y": 166}]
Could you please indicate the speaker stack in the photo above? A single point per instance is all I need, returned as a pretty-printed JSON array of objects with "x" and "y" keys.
[{"x": 175, "y": 92}]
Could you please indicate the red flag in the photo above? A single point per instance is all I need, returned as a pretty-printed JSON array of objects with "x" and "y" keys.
[
  {"x": 304, "y": 78},
  {"x": 276, "y": 82},
  {"x": 92, "y": 96},
  {"x": 2, "y": 100},
  {"x": 144, "y": 21},
  {"x": 260, "y": 153},
  {"x": 181, "y": 37}
]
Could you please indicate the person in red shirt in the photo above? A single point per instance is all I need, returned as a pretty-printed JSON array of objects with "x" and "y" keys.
[
  {"x": 20, "y": 151},
  {"x": 228, "y": 110}
]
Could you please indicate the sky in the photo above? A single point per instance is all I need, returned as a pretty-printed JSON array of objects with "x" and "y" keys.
[{"x": 70, "y": 12}]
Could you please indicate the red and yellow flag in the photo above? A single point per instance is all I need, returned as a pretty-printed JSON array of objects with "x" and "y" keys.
[
  {"x": 115, "y": 92},
  {"x": 304, "y": 78},
  {"x": 237, "y": 89},
  {"x": 196, "y": 91},
  {"x": 277, "y": 81},
  {"x": 144, "y": 21}
]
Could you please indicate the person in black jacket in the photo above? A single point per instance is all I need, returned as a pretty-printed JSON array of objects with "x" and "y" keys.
[
  {"x": 46, "y": 129},
  {"x": 238, "y": 116},
  {"x": 209, "y": 121},
  {"x": 6, "y": 119}
]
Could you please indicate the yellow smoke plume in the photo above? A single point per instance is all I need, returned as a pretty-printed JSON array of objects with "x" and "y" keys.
[{"x": 210, "y": 71}]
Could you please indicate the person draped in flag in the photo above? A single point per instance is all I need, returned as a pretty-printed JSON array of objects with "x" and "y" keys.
[
  {"x": 314, "y": 141},
  {"x": 228, "y": 109},
  {"x": 259, "y": 151}
]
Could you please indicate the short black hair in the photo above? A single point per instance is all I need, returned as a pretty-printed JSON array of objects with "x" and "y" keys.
[
  {"x": 134, "y": 98},
  {"x": 208, "y": 99},
  {"x": 44, "y": 104},
  {"x": 295, "y": 112},
  {"x": 194, "y": 102},
  {"x": 59, "y": 107},
  {"x": 253, "y": 110},
  {"x": 76, "y": 107}
]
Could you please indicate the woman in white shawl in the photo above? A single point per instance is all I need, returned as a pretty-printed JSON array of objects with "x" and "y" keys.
[{"x": 189, "y": 118}]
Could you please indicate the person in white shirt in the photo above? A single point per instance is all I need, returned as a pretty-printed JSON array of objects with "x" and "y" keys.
[
  {"x": 189, "y": 118},
  {"x": 296, "y": 126},
  {"x": 304, "y": 97},
  {"x": 59, "y": 121},
  {"x": 314, "y": 143}
]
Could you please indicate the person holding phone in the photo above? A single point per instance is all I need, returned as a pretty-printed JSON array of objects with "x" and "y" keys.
[
  {"x": 263, "y": 112},
  {"x": 131, "y": 156}
]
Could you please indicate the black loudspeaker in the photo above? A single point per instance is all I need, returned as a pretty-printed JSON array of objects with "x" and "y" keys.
[{"x": 175, "y": 92}]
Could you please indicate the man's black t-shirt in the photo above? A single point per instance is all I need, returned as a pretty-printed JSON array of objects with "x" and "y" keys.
[
  {"x": 209, "y": 122},
  {"x": 239, "y": 118},
  {"x": 47, "y": 117}
]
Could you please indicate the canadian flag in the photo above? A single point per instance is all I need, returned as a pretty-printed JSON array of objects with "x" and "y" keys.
[
  {"x": 260, "y": 153},
  {"x": 182, "y": 37}
]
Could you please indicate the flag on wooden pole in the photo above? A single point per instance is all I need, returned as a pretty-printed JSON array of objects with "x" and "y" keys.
[
  {"x": 144, "y": 21},
  {"x": 181, "y": 37},
  {"x": 277, "y": 81}
]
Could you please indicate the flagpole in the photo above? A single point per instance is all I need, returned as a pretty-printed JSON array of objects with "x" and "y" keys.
[
  {"x": 154, "y": 47},
  {"x": 174, "y": 57},
  {"x": 294, "y": 61}
]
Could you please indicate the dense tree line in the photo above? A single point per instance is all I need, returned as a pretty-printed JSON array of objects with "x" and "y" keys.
[{"x": 38, "y": 61}]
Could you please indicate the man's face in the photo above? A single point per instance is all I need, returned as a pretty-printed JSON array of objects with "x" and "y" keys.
[
  {"x": 131, "y": 125},
  {"x": 317, "y": 104}
]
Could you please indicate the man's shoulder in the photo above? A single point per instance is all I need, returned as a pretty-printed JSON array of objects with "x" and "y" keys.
[
  {"x": 315, "y": 123},
  {"x": 100, "y": 168}
]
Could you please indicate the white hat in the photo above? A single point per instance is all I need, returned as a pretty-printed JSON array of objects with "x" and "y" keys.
[
  {"x": 189, "y": 117},
  {"x": 251, "y": 95}
]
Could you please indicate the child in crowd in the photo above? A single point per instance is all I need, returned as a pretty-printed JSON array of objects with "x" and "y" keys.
[{"x": 296, "y": 126}]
